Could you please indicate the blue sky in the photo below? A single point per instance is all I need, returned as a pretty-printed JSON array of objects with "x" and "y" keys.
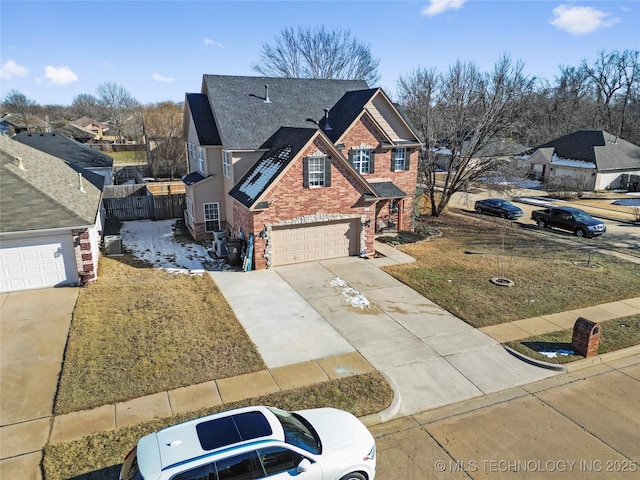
[{"x": 54, "y": 50}]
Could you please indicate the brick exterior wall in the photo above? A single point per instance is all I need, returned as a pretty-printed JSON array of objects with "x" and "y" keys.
[
  {"x": 365, "y": 132},
  {"x": 84, "y": 256}
]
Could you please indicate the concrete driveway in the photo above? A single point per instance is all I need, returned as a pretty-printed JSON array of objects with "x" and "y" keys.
[
  {"x": 431, "y": 357},
  {"x": 34, "y": 326}
]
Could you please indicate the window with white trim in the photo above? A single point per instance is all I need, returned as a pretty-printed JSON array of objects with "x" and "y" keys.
[
  {"x": 399, "y": 158},
  {"x": 361, "y": 159},
  {"x": 189, "y": 214},
  {"x": 316, "y": 171},
  {"x": 211, "y": 216},
  {"x": 226, "y": 163}
]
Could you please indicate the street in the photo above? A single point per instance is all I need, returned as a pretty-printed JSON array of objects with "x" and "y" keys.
[{"x": 581, "y": 424}]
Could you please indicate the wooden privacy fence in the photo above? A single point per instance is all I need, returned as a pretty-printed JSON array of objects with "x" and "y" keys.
[{"x": 135, "y": 202}]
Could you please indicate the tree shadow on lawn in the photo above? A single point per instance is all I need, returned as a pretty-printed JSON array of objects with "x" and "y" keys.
[{"x": 108, "y": 473}]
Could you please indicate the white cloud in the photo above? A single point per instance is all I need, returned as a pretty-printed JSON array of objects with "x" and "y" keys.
[
  {"x": 159, "y": 78},
  {"x": 10, "y": 69},
  {"x": 209, "y": 42},
  {"x": 581, "y": 20},
  {"x": 59, "y": 75},
  {"x": 436, "y": 7}
]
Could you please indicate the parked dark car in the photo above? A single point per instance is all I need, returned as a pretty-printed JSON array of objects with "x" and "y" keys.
[
  {"x": 568, "y": 218},
  {"x": 499, "y": 207}
]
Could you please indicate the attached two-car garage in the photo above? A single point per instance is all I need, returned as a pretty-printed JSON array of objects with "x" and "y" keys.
[
  {"x": 314, "y": 241},
  {"x": 40, "y": 262}
]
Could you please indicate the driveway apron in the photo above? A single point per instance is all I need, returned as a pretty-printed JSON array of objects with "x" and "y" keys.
[{"x": 432, "y": 357}]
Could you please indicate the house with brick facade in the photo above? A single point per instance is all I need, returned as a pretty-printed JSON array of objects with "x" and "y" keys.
[{"x": 309, "y": 168}]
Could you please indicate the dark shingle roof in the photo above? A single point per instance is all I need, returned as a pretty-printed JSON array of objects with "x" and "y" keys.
[
  {"x": 77, "y": 133},
  {"x": 246, "y": 121},
  {"x": 283, "y": 146},
  {"x": 203, "y": 119},
  {"x": 387, "y": 190},
  {"x": 44, "y": 194},
  {"x": 345, "y": 111},
  {"x": 72, "y": 152},
  {"x": 193, "y": 177},
  {"x": 606, "y": 151}
]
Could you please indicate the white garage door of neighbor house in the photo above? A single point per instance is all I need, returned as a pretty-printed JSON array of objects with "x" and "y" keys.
[
  {"x": 318, "y": 241},
  {"x": 28, "y": 264}
]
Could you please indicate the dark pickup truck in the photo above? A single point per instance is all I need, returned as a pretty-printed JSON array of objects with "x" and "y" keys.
[{"x": 568, "y": 218}]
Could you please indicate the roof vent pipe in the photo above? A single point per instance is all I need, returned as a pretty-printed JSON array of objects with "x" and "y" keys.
[
  {"x": 80, "y": 182},
  {"x": 20, "y": 164},
  {"x": 266, "y": 94},
  {"x": 327, "y": 127}
]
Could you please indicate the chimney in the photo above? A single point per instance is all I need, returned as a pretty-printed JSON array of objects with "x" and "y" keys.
[
  {"x": 266, "y": 94},
  {"x": 80, "y": 182},
  {"x": 327, "y": 127}
]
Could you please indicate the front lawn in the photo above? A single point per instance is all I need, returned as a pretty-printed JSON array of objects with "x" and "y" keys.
[
  {"x": 140, "y": 330},
  {"x": 455, "y": 270},
  {"x": 614, "y": 335}
]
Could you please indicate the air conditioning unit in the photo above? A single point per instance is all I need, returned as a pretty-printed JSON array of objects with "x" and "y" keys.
[
  {"x": 220, "y": 244},
  {"x": 112, "y": 245}
]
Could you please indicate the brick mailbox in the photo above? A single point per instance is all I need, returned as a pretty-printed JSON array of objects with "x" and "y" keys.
[{"x": 586, "y": 337}]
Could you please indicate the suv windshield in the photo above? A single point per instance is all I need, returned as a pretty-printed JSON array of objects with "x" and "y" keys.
[{"x": 297, "y": 431}]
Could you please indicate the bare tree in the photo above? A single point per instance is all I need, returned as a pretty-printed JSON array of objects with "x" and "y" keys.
[
  {"x": 318, "y": 53},
  {"x": 118, "y": 106},
  {"x": 162, "y": 126},
  {"x": 463, "y": 116},
  {"x": 18, "y": 104},
  {"x": 84, "y": 105}
]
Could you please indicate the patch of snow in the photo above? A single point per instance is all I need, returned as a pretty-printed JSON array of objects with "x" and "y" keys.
[
  {"x": 555, "y": 353},
  {"x": 351, "y": 295},
  {"x": 628, "y": 202},
  {"x": 569, "y": 162},
  {"x": 153, "y": 241}
]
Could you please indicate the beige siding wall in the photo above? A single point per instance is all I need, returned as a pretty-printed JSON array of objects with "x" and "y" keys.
[{"x": 389, "y": 120}]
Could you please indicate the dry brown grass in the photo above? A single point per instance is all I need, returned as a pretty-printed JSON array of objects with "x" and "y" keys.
[
  {"x": 455, "y": 270},
  {"x": 98, "y": 457},
  {"x": 141, "y": 330}
]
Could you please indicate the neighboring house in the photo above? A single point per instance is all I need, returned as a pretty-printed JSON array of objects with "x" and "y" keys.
[
  {"x": 11, "y": 124},
  {"x": 91, "y": 125},
  {"x": 50, "y": 220},
  {"x": 497, "y": 149},
  {"x": 312, "y": 168},
  {"x": 588, "y": 159},
  {"x": 79, "y": 134},
  {"x": 76, "y": 154}
]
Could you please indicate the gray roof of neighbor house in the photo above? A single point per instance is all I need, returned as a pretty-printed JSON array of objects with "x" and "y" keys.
[
  {"x": 203, "y": 119},
  {"x": 40, "y": 191},
  {"x": 77, "y": 133},
  {"x": 284, "y": 145},
  {"x": 76, "y": 154},
  {"x": 244, "y": 117},
  {"x": 605, "y": 150}
]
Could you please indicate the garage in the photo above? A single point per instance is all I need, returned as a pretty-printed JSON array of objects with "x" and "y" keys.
[
  {"x": 317, "y": 241},
  {"x": 30, "y": 263}
]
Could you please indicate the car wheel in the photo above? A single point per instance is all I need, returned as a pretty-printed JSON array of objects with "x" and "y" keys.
[
  {"x": 478, "y": 210},
  {"x": 503, "y": 215},
  {"x": 541, "y": 223},
  {"x": 580, "y": 232},
  {"x": 354, "y": 476}
]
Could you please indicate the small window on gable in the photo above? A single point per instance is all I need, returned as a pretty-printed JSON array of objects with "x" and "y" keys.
[{"x": 316, "y": 171}]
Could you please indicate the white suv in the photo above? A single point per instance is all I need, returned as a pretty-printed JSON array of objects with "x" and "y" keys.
[{"x": 257, "y": 442}]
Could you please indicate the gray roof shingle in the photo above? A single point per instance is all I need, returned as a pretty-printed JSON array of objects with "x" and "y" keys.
[
  {"x": 203, "y": 119},
  {"x": 599, "y": 147},
  {"x": 72, "y": 152},
  {"x": 246, "y": 121},
  {"x": 44, "y": 194}
]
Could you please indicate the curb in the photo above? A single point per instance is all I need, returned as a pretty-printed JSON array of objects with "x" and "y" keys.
[
  {"x": 388, "y": 413},
  {"x": 578, "y": 364}
]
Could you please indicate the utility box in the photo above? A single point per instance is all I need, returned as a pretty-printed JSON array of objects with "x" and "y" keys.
[
  {"x": 586, "y": 337},
  {"x": 112, "y": 245}
]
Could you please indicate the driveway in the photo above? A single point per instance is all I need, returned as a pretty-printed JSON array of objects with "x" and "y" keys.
[{"x": 431, "y": 357}]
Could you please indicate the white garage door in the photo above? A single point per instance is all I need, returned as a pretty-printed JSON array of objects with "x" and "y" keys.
[
  {"x": 309, "y": 242},
  {"x": 37, "y": 263}
]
